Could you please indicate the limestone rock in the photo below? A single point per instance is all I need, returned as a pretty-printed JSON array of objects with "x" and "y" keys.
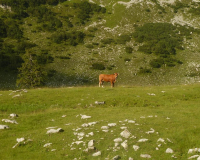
[
  {"x": 125, "y": 134},
  {"x": 85, "y": 117},
  {"x": 12, "y": 115},
  {"x": 124, "y": 144},
  {"x": 143, "y": 140},
  {"x": 91, "y": 143},
  {"x": 55, "y": 130},
  {"x": 96, "y": 154},
  {"x": 47, "y": 145},
  {"x": 135, "y": 147},
  {"x": 169, "y": 150},
  {"x": 9, "y": 121},
  {"x": 117, "y": 140},
  {"x": 116, "y": 157},
  {"x": 4, "y": 126},
  {"x": 145, "y": 156}
]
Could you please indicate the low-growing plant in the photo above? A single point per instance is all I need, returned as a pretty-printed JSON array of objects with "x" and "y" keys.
[
  {"x": 129, "y": 49},
  {"x": 98, "y": 66}
]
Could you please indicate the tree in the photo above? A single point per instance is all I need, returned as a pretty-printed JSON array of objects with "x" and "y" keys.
[{"x": 31, "y": 74}]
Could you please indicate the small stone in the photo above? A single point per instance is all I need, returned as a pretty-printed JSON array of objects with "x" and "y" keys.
[
  {"x": 135, "y": 147},
  {"x": 96, "y": 154},
  {"x": 169, "y": 150},
  {"x": 4, "y": 126},
  {"x": 117, "y": 140},
  {"x": 112, "y": 124},
  {"x": 47, "y": 145},
  {"x": 143, "y": 140},
  {"x": 85, "y": 117},
  {"x": 20, "y": 139},
  {"x": 55, "y": 130},
  {"x": 124, "y": 144},
  {"x": 9, "y": 121},
  {"x": 12, "y": 115},
  {"x": 91, "y": 143},
  {"x": 125, "y": 134},
  {"x": 116, "y": 157},
  {"x": 104, "y": 127},
  {"x": 145, "y": 156}
]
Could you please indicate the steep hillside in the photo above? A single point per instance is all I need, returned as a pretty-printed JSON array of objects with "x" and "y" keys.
[{"x": 148, "y": 42}]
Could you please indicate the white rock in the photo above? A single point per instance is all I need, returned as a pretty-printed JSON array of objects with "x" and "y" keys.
[
  {"x": 9, "y": 121},
  {"x": 123, "y": 128},
  {"x": 135, "y": 147},
  {"x": 169, "y": 150},
  {"x": 116, "y": 157},
  {"x": 85, "y": 117},
  {"x": 194, "y": 150},
  {"x": 53, "y": 150},
  {"x": 91, "y": 143},
  {"x": 130, "y": 158},
  {"x": 3, "y": 126},
  {"x": 194, "y": 156},
  {"x": 92, "y": 123},
  {"x": 85, "y": 125},
  {"x": 124, "y": 144},
  {"x": 20, "y": 139},
  {"x": 131, "y": 121},
  {"x": 81, "y": 134},
  {"x": 117, "y": 140},
  {"x": 125, "y": 134},
  {"x": 145, "y": 156},
  {"x": 104, "y": 127},
  {"x": 47, "y": 145},
  {"x": 151, "y": 131},
  {"x": 112, "y": 124},
  {"x": 91, "y": 134},
  {"x": 12, "y": 115},
  {"x": 161, "y": 140},
  {"x": 78, "y": 142},
  {"x": 55, "y": 130},
  {"x": 105, "y": 130},
  {"x": 63, "y": 116},
  {"x": 143, "y": 140},
  {"x": 96, "y": 154}
]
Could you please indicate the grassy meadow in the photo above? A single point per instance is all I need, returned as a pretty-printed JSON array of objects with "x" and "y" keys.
[{"x": 171, "y": 112}]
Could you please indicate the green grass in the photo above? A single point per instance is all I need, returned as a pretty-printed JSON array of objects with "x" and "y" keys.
[{"x": 172, "y": 111}]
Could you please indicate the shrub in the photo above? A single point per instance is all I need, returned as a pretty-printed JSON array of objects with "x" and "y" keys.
[
  {"x": 107, "y": 41},
  {"x": 127, "y": 59},
  {"x": 89, "y": 46},
  {"x": 129, "y": 49},
  {"x": 156, "y": 63},
  {"x": 122, "y": 39},
  {"x": 98, "y": 66},
  {"x": 144, "y": 70}
]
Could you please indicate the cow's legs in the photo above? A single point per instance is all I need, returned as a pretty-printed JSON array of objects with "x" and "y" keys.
[
  {"x": 112, "y": 84},
  {"x": 100, "y": 83}
]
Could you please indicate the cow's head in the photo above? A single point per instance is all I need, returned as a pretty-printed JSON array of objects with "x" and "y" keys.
[{"x": 116, "y": 75}]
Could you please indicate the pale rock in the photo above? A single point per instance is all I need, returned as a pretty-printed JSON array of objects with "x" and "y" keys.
[
  {"x": 161, "y": 140},
  {"x": 117, "y": 140},
  {"x": 194, "y": 156},
  {"x": 78, "y": 142},
  {"x": 116, "y": 144},
  {"x": 54, "y": 130},
  {"x": 81, "y": 134},
  {"x": 135, "y": 147},
  {"x": 53, "y": 150},
  {"x": 91, "y": 143},
  {"x": 96, "y": 154},
  {"x": 123, "y": 128},
  {"x": 92, "y": 123},
  {"x": 169, "y": 150},
  {"x": 151, "y": 131},
  {"x": 124, "y": 144},
  {"x": 20, "y": 139},
  {"x": 85, "y": 125},
  {"x": 105, "y": 130},
  {"x": 85, "y": 117},
  {"x": 145, "y": 156},
  {"x": 104, "y": 127},
  {"x": 131, "y": 121},
  {"x": 47, "y": 145},
  {"x": 9, "y": 121},
  {"x": 143, "y": 140},
  {"x": 125, "y": 134},
  {"x": 130, "y": 158},
  {"x": 91, "y": 134},
  {"x": 112, "y": 124},
  {"x": 12, "y": 115},
  {"x": 3, "y": 126},
  {"x": 116, "y": 157},
  {"x": 63, "y": 116},
  {"x": 194, "y": 150}
]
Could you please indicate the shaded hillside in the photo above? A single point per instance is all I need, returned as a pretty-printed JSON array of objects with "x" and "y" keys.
[{"x": 148, "y": 42}]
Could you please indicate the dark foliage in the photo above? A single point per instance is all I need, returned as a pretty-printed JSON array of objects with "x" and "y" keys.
[
  {"x": 98, "y": 66},
  {"x": 144, "y": 70},
  {"x": 129, "y": 50}
]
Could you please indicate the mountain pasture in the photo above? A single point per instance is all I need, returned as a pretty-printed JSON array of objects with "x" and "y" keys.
[{"x": 157, "y": 119}]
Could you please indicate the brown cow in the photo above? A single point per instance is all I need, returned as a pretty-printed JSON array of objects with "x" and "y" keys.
[{"x": 108, "y": 78}]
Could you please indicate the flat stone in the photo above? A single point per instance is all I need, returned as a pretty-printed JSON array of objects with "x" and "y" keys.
[
  {"x": 55, "y": 130},
  {"x": 4, "y": 126},
  {"x": 96, "y": 154},
  {"x": 125, "y": 134}
]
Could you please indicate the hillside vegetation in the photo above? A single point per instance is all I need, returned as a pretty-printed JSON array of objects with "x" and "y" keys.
[{"x": 149, "y": 42}]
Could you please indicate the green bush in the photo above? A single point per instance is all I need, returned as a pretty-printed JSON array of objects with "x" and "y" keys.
[
  {"x": 122, "y": 39},
  {"x": 98, "y": 66},
  {"x": 156, "y": 63},
  {"x": 129, "y": 49},
  {"x": 107, "y": 41},
  {"x": 127, "y": 59},
  {"x": 89, "y": 46},
  {"x": 144, "y": 70}
]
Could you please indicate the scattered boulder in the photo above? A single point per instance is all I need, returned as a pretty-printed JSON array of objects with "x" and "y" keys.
[
  {"x": 117, "y": 140},
  {"x": 9, "y": 121},
  {"x": 169, "y": 150},
  {"x": 116, "y": 157},
  {"x": 96, "y": 154},
  {"x": 143, "y": 140},
  {"x": 55, "y": 130},
  {"x": 85, "y": 117},
  {"x": 124, "y": 144},
  {"x": 3, "y": 126},
  {"x": 145, "y": 156},
  {"x": 125, "y": 134},
  {"x": 12, "y": 115},
  {"x": 135, "y": 147},
  {"x": 47, "y": 145}
]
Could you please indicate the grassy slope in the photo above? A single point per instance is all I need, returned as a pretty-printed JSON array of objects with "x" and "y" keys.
[{"x": 175, "y": 115}]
